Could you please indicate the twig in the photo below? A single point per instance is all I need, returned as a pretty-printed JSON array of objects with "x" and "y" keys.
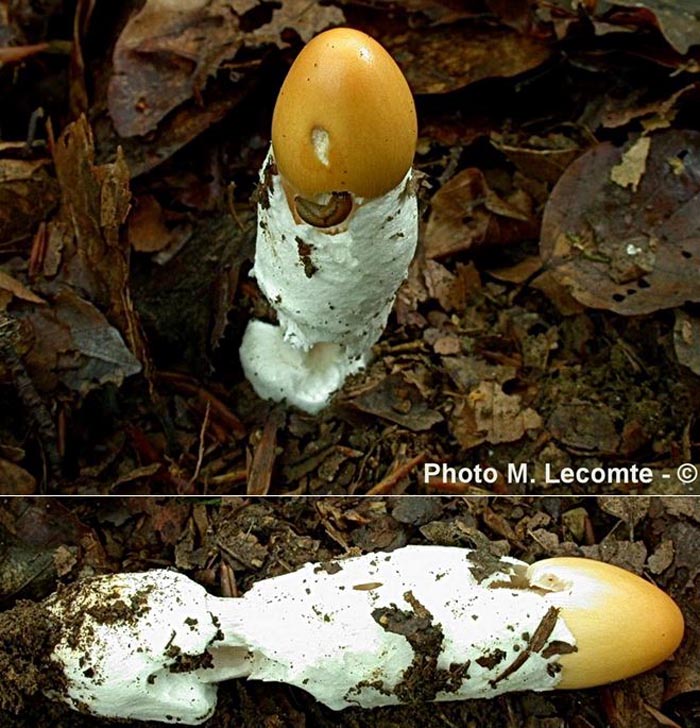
[{"x": 389, "y": 482}]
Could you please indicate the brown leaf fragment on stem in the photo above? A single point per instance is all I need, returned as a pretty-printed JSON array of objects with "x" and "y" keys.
[
  {"x": 423, "y": 679},
  {"x": 535, "y": 644}
]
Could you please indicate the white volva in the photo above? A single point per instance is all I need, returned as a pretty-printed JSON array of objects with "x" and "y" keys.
[
  {"x": 420, "y": 623},
  {"x": 332, "y": 288}
]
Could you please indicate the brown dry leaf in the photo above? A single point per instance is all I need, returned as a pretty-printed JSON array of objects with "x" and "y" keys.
[
  {"x": 396, "y": 400},
  {"x": 653, "y": 115},
  {"x": 148, "y": 232},
  {"x": 15, "y": 480},
  {"x": 448, "y": 289},
  {"x": 629, "y": 510},
  {"x": 519, "y": 272},
  {"x": 632, "y": 251},
  {"x": 686, "y": 340},
  {"x": 631, "y": 168},
  {"x": 678, "y": 20},
  {"x": 304, "y": 18},
  {"x": 557, "y": 293},
  {"x": 449, "y": 57},
  {"x": 539, "y": 158},
  {"x": 86, "y": 235},
  {"x": 166, "y": 53},
  {"x": 629, "y": 555},
  {"x": 584, "y": 426},
  {"x": 74, "y": 344},
  {"x": 466, "y": 212},
  {"x": 18, "y": 289},
  {"x": 27, "y": 194},
  {"x": 496, "y": 416},
  {"x": 169, "y": 519},
  {"x": 463, "y": 425}
]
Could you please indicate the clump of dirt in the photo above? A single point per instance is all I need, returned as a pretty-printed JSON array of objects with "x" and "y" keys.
[
  {"x": 27, "y": 638},
  {"x": 422, "y": 680}
]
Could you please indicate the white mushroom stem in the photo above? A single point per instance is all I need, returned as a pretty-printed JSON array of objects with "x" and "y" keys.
[
  {"x": 331, "y": 287},
  {"x": 421, "y": 623}
]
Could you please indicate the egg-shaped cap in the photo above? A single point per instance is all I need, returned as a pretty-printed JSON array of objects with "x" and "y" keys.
[
  {"x": 623, "y": 625},
  {"x": 345, "y": 120}
]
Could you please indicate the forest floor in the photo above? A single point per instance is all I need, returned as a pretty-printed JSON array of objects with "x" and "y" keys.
[{"x": 549, "y": 317}]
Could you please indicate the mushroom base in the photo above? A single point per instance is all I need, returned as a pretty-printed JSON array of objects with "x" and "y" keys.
[{"x": 279, "y": 371}]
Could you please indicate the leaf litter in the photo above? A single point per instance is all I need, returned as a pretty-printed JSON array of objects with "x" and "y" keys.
[
  {"x": 228, "y": 545},
  {"x": 549, "y": 317}
]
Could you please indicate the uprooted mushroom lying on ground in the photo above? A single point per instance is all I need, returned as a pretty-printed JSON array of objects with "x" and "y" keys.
[{"x": 417, "y": 624}]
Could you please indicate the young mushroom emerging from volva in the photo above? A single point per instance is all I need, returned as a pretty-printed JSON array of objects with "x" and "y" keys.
[
  {"x": 337, "y": 218},
  {"x": 421, "y": 623}
]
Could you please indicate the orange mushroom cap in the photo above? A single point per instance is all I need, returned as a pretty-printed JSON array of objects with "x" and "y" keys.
[
  {"x": 345, "y": 120},
  {"x": 623, "y": 625}
]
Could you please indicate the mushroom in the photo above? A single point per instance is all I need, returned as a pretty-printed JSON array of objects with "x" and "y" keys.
[
  {"x": 337, "y": 218},
  {"x": 417, "y": 624}
]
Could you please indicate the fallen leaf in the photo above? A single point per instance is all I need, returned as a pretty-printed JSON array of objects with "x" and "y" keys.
[
  {"x": 629, "y": 510},
  {"x": 163, "y": 57},
  {"x": 86, "y": 236},
  {"x": 148, "y": 232},
  {"x": 448, "y": 57},
  {"x": 300, "y": 16},
  {"x": 678, "y": 20},
  {"x": 165, "y": 53},
  {"x": 584, "y": 426},
  {"x": 502, "y": 415},
  {"x": 27, "y": 195},
  {"x": 541, "y": 158},
  {"x": 631, "y": 168},
  {"x": 395, "y": 400},
  {"x": 15, "y": 480},
  {"x": 449, "y": 289},
  {"x": 466, "y": 212},
  {"x": 686, "y": 340},
  {"x": 632, "y": 251},
  {"x": 73, "y": 343},
  {"x": 18, "y": 289}
]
